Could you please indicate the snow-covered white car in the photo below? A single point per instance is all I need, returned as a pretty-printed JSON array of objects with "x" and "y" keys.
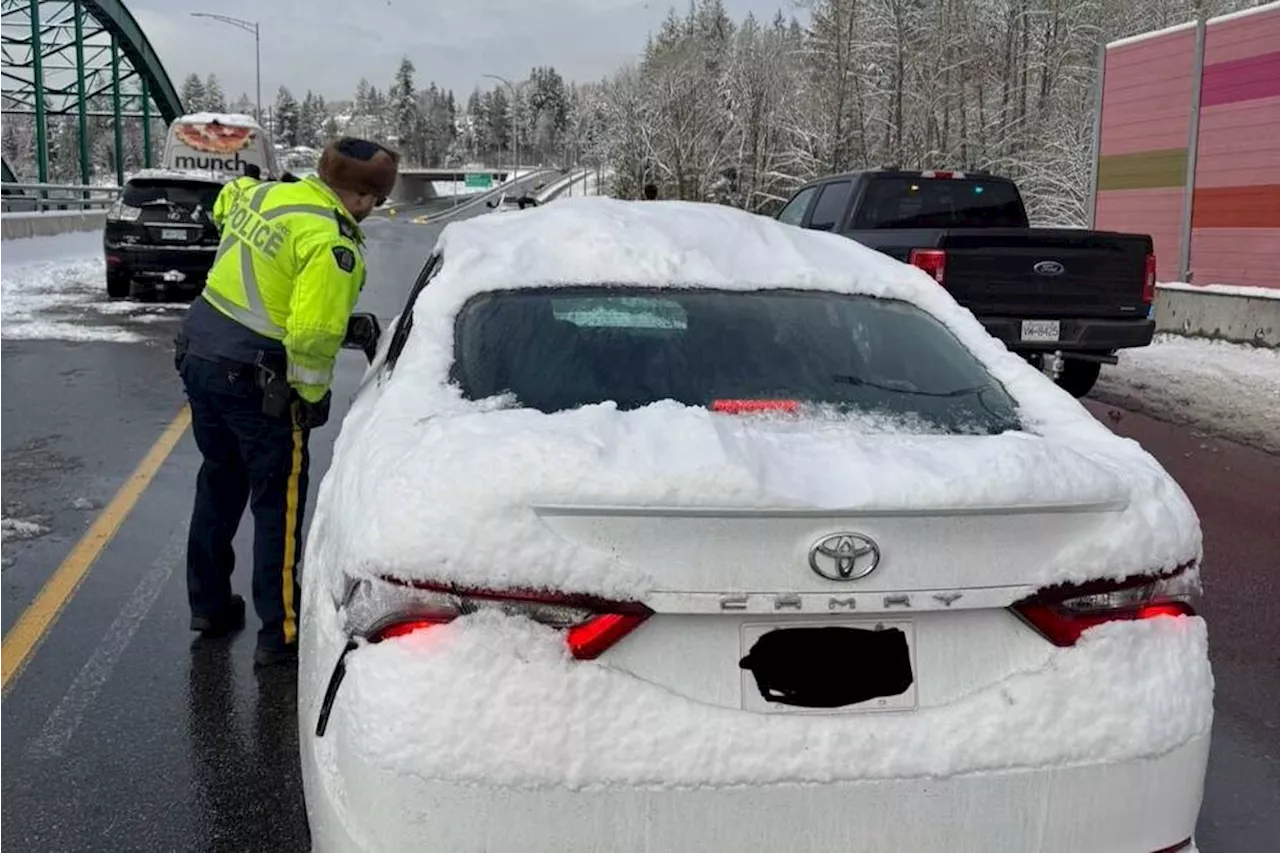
[{"x": 667, "y": 527}]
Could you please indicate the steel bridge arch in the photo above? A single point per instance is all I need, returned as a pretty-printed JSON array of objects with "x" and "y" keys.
[
  {"x": 119, "y": 21},
  {"x": 64, "y": 57}
]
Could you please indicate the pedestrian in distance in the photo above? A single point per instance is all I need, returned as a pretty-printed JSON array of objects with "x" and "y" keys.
[
  {"x": 256, "y": 355},
  {"x": 232, "y": 190},
  {"x": 650, "y": 192}
]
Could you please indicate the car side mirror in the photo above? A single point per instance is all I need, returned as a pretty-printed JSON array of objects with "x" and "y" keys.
[{"x": 363, "y": 333}]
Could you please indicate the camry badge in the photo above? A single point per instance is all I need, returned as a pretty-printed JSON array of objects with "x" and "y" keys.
[{"x": 844, "y": 557}]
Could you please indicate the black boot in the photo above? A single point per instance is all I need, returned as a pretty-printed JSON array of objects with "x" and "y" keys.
[
  {"x": 274, "y": 655},
  {"x": 230, "y": 620}
]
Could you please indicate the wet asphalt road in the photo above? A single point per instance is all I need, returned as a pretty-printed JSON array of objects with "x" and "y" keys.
[{"x": 123, "y": 734}]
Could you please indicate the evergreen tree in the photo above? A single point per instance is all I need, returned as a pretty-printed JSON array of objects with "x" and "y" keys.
[
  {"x": 309, "y": 121},
  {"x": 285, "y": 121},
  {"x": 193, "y": 94},
  {"x": 405, "y": 116},
  {"x": 214, "y": 100},
  {"x": 243, "y": 105}
]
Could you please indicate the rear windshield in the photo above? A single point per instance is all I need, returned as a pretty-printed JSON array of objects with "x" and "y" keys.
[
  {"x": 940, "y": 203},
  {"x": 186, "y": 194},
  {"x": 556, "y": 349}
]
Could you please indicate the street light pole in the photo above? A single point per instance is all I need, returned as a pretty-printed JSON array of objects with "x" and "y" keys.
[
  {"x": 249, "y": 27},
  {"x": 515, "y": 121}
]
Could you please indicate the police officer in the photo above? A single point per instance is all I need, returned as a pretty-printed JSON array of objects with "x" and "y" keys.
[
  {"x": 256, "y": 355},
  {"x": 232, "y": 191}
]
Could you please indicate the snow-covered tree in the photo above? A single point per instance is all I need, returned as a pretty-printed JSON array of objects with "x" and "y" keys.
[
  {"x": 214, "y": 100},
  {"x": 285, "y": 118},
  {"x": 403, "y": 101},
  {"x": 193, "y": 94}
]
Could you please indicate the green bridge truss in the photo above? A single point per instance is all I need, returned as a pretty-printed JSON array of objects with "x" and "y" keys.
[{"x": 87, "y": 58}]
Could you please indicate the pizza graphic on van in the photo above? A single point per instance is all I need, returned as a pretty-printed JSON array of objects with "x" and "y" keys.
[{"x": 214, "y": 137}]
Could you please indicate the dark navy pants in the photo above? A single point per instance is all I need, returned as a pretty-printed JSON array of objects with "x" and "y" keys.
[{"x": 249, "y": 458}]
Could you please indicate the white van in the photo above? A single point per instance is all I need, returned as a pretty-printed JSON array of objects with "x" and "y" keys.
[{"x": 219, "y": 142}]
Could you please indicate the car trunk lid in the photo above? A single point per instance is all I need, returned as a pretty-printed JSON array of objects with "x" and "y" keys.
[{"x": 846, "y": 612}]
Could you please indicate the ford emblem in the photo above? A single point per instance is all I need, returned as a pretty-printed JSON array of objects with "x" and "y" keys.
[{"x": 1048, "y": 268}]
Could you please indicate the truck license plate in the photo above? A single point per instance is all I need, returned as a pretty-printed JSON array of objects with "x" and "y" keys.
[
  {"x": 181, "y": 234},
  {"x": 1041, "y": 330}
]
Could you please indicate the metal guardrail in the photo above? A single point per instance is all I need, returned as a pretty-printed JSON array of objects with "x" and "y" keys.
[{"x": 44, "y": 197}]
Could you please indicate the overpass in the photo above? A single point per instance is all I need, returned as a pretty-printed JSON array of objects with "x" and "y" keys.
[
  {"x": 414, "y": 186},
  {"x": 68, "y": 62}
]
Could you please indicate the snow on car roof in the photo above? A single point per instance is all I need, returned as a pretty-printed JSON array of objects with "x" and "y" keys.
[
  {"x": 665, "y": 244},
  {"x": 425, "y": 483},
  {"x": 180, "y": 175},
  {"x": 229, "y": 119}
]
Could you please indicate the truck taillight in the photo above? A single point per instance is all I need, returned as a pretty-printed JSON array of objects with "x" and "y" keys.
[
  {"x": 942, "y": 173},
  {"x": 932, "y": 261},
  {"x": 1062, "y": 613},
  {"x": 1149, "y": 282},
  {"x": 385, "y": 608}
]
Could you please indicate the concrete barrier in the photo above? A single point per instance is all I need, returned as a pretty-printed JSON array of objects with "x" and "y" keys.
[
  {"x": 15, "y": 226},
  {"x": 1225, "y": 316}
]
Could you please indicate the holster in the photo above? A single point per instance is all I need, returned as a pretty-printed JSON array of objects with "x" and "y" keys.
[
  {"x": 276, "y": 393},
  {"x": 180, "y": 346}
]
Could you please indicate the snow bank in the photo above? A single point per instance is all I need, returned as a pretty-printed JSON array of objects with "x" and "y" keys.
[
  {"x": 1227, "y": 389},
  {"x": 16, "y": 528},
  {"x": 54, "y": 288},
  {"x": 1128, "y": 690},
  {"x": 1224, "y": 289},
  {"x": 426, "y": 483}
]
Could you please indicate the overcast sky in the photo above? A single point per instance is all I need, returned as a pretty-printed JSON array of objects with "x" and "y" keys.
[{"x": 328, "y": 45}]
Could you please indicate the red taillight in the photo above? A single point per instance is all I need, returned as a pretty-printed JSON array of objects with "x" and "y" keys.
[
  {"x": 399, "y": 629},
  {"x": 740, "y": 407},
  {"x": 932, "y": 261},
  {"x": 1149, "y": 281},
  {"x": 594, "y": 637},
  {"x": 1062, "y": 613},
  {"x": 387, "y": 608},
  {"x": 114, "y": 260},
  {"x": 942, "y": 173}
]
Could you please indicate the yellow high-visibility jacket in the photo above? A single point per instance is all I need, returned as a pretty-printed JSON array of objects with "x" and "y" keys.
[
  {"x": 227, "y": 196},
  {"x": 290, "y": 267}
]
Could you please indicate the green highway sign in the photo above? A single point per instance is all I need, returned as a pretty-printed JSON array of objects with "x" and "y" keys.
[{"x": 482, "y": 181}]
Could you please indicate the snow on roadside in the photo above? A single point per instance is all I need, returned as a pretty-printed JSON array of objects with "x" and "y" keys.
[
  {"x": 1228, "y": 389},
  {"x": 1223, "y": 289},
  {"x": 53, "y": 288},
  {"x": 16, "y": 528}
]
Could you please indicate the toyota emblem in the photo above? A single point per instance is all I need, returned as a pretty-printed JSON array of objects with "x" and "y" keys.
[{"x": 844, "y": 556}]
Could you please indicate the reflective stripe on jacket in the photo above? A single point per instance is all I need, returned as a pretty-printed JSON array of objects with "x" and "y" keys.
[
  {"x": 227, "y": 197},
  {"x": 290, "y": 268}
]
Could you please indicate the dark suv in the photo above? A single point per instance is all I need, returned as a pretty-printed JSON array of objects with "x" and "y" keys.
[{"x": 161, "y": 231}]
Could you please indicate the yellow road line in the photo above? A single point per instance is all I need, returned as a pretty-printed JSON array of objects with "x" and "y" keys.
[{"x": 40, "y": 615}]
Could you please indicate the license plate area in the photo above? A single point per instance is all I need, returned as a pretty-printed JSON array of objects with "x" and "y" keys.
[
  {"x": 828, "y": 667},
  {"x": 174, "y": 234},
  {"x": 1042, "y": 331}
]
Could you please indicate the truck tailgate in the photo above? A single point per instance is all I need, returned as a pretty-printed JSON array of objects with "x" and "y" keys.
[{"x": 1043, "y": 272}]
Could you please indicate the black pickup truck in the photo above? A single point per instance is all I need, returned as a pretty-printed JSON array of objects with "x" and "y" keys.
[{"x": 1065, "y": 299}]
